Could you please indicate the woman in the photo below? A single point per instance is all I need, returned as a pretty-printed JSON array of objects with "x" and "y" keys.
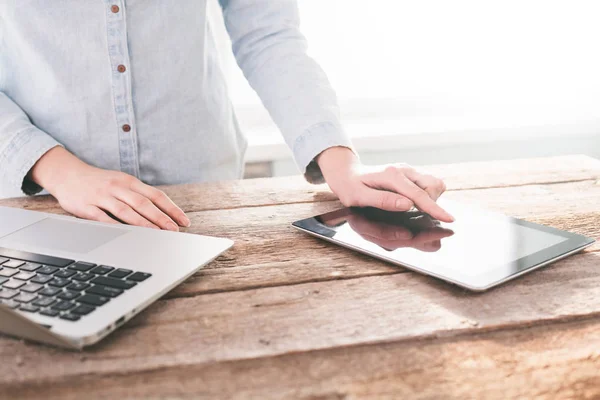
[{"x": 102, "y": 100}]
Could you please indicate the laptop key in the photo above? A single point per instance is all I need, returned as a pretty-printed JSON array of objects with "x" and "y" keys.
[
  {"x": 68, "y": 295},
  {"x": 49, "y": 291},
  {"x": 93, "y": 300},
  {"x": 38, "y": 258},
  {"x": 139, "y": 277},
  {"x": 25, "y": 297},
  {"x": 30, "y": 267},
  {"x": 44, "y": 301},
  {"x": 2, "y": 280},
  {"x": 42, "y": 279},
  {"x": 70, "y": 317},
  {"x": 6, "y": 272},
  {"x": 32, "y": 287},
  {"x": 82, "y": 266},
  {"x": 24, "y": 276},
  {"x": 13, "y": 284},
  {"x": 83, "y": 309},
  {"x": 29, "y": 308},
  {"x": 59, "y": 282},
  {"x": 65, "y": 273},
  {"x": 49, "y": 312},
  {"x": 13, "y": 264},
  {"x": 10, "y": 303},
  {"x": 47, "y": 270},
  {"x": 116, "y": 283},
  {"x": 120, "y": 273},
  {"x": 106, "y": 291},
  {"x": 3, "y": 260},
  {"x": 63, "y": 305},
  {"x": 8, "y": 293},
  {"x": 78, "y": 286},
  {"x": 83, "y": 276},
  {"x": 102, "y": 269}
]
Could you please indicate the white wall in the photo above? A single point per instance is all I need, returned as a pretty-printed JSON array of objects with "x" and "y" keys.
[{"x": 417, "y": 77}]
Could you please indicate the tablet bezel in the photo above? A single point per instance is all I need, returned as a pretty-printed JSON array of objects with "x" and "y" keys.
[{"x": 573, "y": 244}]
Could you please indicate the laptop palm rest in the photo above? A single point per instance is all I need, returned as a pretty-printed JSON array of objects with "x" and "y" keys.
[{"x": 62, "y": 235}]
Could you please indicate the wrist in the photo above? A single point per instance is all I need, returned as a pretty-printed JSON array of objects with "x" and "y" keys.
[
  {"x": 54, "y": 168},
  {"x": 337, "y": 159}
]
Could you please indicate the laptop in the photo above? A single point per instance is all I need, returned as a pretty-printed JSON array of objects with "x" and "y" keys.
[{"x": 69, "y": 282}]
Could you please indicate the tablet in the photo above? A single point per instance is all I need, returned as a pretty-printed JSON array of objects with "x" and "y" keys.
[{"x": 481, "y": 249}]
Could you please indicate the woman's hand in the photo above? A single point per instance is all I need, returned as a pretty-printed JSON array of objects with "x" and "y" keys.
[
  {"x": 391, "y": 188},
  {"x": 94, "y": 193}
]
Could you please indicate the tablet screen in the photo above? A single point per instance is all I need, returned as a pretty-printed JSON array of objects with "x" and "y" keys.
[{"x": 478, "y": 247}]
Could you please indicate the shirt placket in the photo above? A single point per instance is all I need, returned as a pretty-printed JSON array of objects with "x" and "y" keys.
[{"x": 118, "y": 51}]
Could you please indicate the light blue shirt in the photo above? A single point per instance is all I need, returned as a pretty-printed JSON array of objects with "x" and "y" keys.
[{"x": 136, "y": 86}]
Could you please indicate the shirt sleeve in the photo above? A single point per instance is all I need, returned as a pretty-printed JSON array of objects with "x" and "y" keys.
[
  {"x": 271, "y": 51},
  {"x": 21, "y": 146}
]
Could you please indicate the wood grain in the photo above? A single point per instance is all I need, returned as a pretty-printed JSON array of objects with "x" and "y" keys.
[
  {"x": 543, "y": 362},
  {"x": 261, "y": 256},
  {"x": 306, "y": 317},
  {"x": 287, "y": 190},
  {"x": 268, "y": 320}
]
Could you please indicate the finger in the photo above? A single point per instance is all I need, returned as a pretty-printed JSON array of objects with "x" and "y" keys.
[
  {"x": 95, "y": 214},
  {"x": 433, "y": 186},
  {"x": 382, "y": 199},
  {"x": 125, "y": 213},
  {"x": 147, "y": 209},
  {"x": 422, "y": 200},
  {"x": 400, "y": 184},
  {"x": 162, "y": 201}
]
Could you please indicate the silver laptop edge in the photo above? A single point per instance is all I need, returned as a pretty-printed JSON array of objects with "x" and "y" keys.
[{"x": 170, "y": 257}]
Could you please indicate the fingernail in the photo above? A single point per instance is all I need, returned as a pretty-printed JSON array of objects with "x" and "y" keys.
[
  {"x": 172, "y": 227},
  {"x": 185, "y": 221},
  {"x": 400, "y": 204}
]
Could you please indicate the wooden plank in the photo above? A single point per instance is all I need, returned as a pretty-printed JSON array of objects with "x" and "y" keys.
[
  {"x": 489, "y": 174},
  {"x": 287, "y": 190},
  {"x": 262, "y": 257},
  {"x": 263, "y": 235},
  {"x": 315, "y": 316},
  {"x": 544, "y": 362},
  {"x": 261, "y": 262}
]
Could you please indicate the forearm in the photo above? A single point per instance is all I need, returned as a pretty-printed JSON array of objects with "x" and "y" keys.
[
  {"x": 21, "y": 145},
  {"x": 271, "y": 51}
]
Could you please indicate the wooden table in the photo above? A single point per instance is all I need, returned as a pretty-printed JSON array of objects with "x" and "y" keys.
[{"x": 284, "y": 315}]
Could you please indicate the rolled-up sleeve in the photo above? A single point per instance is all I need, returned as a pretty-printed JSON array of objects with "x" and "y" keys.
[
  {"x": 272, "y": 53},
  {"x": 21, "y": 146}
]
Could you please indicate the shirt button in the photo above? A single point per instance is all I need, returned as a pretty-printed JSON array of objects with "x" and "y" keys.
[
  {"x": 115, "y": 9},
  {"x": 121, "y": 68},
  {"x": 126, "y": 128}
]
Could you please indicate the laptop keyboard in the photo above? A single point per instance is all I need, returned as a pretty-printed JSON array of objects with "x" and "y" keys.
[{"x": 57, "y": 287}]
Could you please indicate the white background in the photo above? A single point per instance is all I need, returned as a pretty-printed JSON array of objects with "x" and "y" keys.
[{"x": 448, "y": 81}]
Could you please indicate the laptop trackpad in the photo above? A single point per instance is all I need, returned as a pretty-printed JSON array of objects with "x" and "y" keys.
[{"x": 61, "y": 235}]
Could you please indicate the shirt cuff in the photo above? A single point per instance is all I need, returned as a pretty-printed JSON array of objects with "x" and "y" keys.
[
  {"x": 313, "y": 142},
  {"x": 20, "y": 155}
]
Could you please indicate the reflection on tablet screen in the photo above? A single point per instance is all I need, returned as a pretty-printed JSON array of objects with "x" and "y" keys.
[
  {"x": 391, "y": 231},
  {"x": 476, "y": 242}
]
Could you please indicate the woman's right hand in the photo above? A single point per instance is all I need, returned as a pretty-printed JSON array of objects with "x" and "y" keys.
[{"x": 96, "y": 194}]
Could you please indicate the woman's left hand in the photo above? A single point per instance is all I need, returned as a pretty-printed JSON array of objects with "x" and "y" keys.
[{"x": 391, "y": 188}]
